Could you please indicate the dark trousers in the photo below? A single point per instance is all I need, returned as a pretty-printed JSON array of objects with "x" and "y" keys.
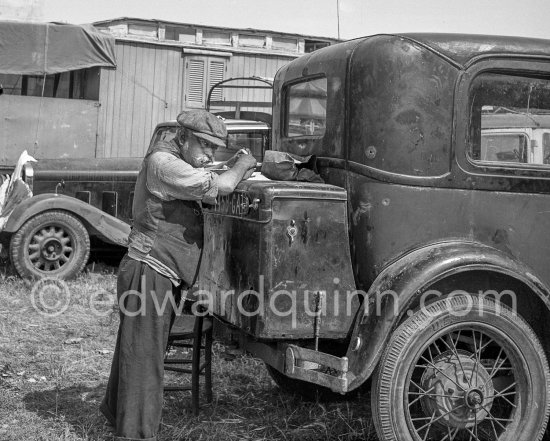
[{"x": 133, "y": 400}]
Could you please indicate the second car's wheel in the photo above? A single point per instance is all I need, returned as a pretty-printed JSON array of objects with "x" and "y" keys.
[
  {"x": 463, "y": 368},
  {"x": 51, "y": 244}
]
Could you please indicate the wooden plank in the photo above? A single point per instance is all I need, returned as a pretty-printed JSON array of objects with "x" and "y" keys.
[
  {"x": 170, "y": 85},
  {"x": 159, "y": 88},
  {"x": 150, "y": 99},
  {"x": 109, "y": 113},
  {"x": 179, "y": 69},
  {"x": 116, "y": 100},
  {"x": 102, "y": 117},
  {"x": 127, "y": 102},
  {"x": 107, "y": 105},
  {"x": 139, "y": 101},
  {"x": 175, "y": 84}
]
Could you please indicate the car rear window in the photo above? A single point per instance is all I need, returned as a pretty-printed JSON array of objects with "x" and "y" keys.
[
  {"x": 509, "y": 120},
  {"x": 306, "y": 108}
]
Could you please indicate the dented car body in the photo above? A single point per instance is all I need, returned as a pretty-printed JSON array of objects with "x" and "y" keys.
[{"x": 430, "y": 204}]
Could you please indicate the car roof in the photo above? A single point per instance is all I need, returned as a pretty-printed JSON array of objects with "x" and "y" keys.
[
  {"x": 461, "y": 50},
  {"x": 464, "y": 49},
  {"x": 232, "y": 125}
]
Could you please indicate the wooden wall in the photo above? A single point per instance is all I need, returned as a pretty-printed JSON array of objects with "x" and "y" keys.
[{"x": 147, "y": 88}]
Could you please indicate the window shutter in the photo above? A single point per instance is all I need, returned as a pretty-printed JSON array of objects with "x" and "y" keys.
[
  {"x": 216, "y": 72},
  {"x": 194, "y": 92}
]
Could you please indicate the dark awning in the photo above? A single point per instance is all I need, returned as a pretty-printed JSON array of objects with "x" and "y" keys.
[{"x": 47, "y": 48}]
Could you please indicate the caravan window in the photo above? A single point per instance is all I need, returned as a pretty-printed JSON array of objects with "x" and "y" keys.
[{"x": 78, "y": 84}]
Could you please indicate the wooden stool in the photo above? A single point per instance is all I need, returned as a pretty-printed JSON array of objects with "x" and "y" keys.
[{"x": 187, "y": 332}]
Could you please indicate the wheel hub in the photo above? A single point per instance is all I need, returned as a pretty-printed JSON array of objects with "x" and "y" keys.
[
  {"x": 51, "y": 249},
  {"x": 474, "y": 398},
  {"x": 457, "y": 390}
]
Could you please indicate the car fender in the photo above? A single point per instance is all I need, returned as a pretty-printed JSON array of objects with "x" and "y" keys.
[
  {"x": 400, "y": 284},
  {"x": 108, "y": 227}
]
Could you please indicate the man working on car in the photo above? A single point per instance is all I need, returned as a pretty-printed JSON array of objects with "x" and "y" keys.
[{"x": 163, "y": 256}]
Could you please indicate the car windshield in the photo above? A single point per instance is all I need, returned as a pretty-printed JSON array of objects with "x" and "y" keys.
[
  {"x": 255, "y": 141},
  {"x": 165, "y": 133}
]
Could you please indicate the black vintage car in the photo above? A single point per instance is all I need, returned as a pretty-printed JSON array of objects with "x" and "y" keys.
[{"x": 422, "y": 262}]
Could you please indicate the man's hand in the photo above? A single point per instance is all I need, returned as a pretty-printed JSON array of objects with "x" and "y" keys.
[
  {"x": 247, "y": 161},
  {"x": 231, "y": 161},
  {"x": 248, "y": 174},
  {"x": 243, "y": 168}
]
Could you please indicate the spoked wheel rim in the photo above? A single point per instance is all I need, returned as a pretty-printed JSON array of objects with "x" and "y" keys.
[
  {"x": 50, "y": 248},
  {"x": 468, "y": 383}
]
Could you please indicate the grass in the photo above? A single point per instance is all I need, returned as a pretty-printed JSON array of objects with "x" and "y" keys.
[{"x": 53, "y": 372}]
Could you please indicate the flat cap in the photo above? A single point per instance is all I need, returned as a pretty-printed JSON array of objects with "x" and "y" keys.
[{"x": 204, "y": 125}]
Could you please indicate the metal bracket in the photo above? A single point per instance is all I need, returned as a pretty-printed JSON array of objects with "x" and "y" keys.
[{"x": 308, "y": 365}]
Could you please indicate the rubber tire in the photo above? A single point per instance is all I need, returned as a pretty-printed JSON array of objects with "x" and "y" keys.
[
  {"x": 19, "y": 245},
  {"x": 388, "y": 384}
]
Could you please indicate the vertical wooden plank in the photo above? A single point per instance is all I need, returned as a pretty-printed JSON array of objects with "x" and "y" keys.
[
  {"x": 174, "y": 83},
  {"x": 242, "y": 71},
  {"x": 128, "y": 89},
  {"x": 110, "y": 112},
  {"x": 150, "y": 99},
  {"x": 106, "y": 88},
  {"x": 159, "y": 89},
  {"x": 139, "y": 100},
  {"x": 232, "y": 72},
  {"x": 249, "y": 94},
  {"x": 116, "y": 100},
  {"x": 170, "y": 83},
  {"x": 179, "y": 63},
  {"x": 107, "y": 104}
]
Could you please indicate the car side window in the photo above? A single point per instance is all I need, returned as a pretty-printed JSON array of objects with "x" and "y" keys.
[
  {"x": 306, "y": 108},
  {"x": 510, "y": 120}
]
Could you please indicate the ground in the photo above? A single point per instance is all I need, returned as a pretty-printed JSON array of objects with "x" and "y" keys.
[{"x": 54, "y": 368}]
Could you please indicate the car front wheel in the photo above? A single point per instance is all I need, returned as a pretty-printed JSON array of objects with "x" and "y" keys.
[
  {"x": 51, "y": 244},
  {"x": 462, "y": 368}
]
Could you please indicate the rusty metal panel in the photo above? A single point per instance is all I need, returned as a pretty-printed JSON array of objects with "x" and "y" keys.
[
  {"x": 269, "y": 250},
  {"x": 47, "y": 127},
  {"x": 400, "y": 107}
]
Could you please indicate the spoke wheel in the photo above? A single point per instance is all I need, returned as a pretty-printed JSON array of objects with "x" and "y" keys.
[
  {"x": 463, "y": 369},
  {"x": 53, "y": 243}
]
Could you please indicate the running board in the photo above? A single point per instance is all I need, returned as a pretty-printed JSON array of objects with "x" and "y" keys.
[{"x": 317, "y": 367}]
